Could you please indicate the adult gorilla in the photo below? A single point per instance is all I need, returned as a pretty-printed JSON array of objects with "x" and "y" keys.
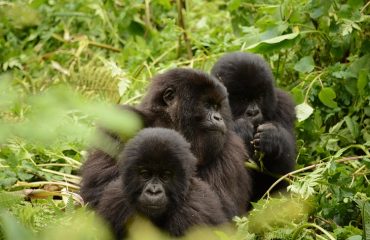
[
  {"x": 196, "y": 105},
  {"x": 158, "y": 181},
  {"x": 264, "y": 115}
]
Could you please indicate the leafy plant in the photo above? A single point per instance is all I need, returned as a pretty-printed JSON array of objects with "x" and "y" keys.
[{"x": 63, "y": 63}]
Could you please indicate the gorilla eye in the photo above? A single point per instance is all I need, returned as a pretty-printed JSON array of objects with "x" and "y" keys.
[
  {"x": 145, "y": 174},
  {"x": 166, "y": 175},
  {"x": 168, "y": 95},
  {"x": 213, "y": 105}
]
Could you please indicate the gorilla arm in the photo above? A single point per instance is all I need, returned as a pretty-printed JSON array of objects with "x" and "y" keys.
[{"x": 114, "y": 208}]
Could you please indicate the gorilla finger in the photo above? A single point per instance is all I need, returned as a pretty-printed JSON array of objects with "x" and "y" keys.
[
  {"x": 265, "y": 126},
  {"x": 256, "y": 142},
  {"x": 257, "y": 135}
]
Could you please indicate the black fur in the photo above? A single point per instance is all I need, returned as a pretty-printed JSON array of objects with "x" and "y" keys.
[
  {"x": 188, "y": 201},
  {"x": 264, "y": 115},
  {"x": 220, "y": 153},
  {"x": 196, "y": 105}
]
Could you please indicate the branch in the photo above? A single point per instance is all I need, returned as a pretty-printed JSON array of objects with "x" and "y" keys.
[{"x": 181, "y": 22}]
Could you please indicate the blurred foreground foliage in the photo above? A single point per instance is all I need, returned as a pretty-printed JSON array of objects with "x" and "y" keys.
[{"x": 63, "y": 64}]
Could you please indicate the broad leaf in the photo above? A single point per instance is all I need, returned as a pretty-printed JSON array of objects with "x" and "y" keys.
[
  {"x": 12, "y": 229},
  {"x": 352, "y": 126},
  {"x": 275, "y": 43},
  {"x": 327, "y": 96},
  {"x": 233, "y": 5},
  {"x": 303, "y": 111},
  {"x": 297, "y": 95},
  {"x": 305, "y": 65},
  {"x": 363, "y": 79}
]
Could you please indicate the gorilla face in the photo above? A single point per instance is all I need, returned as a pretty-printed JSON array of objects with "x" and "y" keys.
[
  {"x": 153, "y": 198},
  {"x": 156, "y": 171},
  {"x": 253, "y": 113},
  {"x": 250, "y": 83},
  {"x": 204, "y": 121}
]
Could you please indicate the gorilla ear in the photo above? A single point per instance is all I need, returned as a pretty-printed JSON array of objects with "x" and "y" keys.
[{"x": 168, "y": 96}]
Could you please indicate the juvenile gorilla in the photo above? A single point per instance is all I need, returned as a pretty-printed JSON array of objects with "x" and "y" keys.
[
  {"x": 196, "y": 105},
  {"x": 264, "y": 115},
  {"x": 158, "y": 181}
]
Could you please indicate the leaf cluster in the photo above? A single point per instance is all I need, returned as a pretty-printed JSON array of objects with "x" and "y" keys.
[{"x": 63, "y": 63}]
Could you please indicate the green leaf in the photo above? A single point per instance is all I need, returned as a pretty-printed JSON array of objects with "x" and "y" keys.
[
  {"x": 320, "y": 8},
  {"x": 365, "y": 212},
  {"x": 12, "y": 228},
  {"x": 275, "y": 43},
  {"x": 362, "y": 81},
  {"x": 355, "y": 4},
  {"x": 23, "y": 175},
  {"x": 339, "y": 152},
  {"x": 334, "y": 129},
  {"x": 303, "y": 111},
  {"x": 355, "y": 237},
  {"x": 359, "y": 64},
  {"x": 9, "y": 199},
  {"x": 165, "y": 3},
  {"x": 367, "y": 111},
  {"x": 69, "y": 205},
  {"x": 352, "y": 126},
  {"x": 222, "y": 236},
  {"x": 366, "y": 219},
  {"x": 351, "y": 86},
  {"x": 327, "y": 96},
  {"x": 233, "y": 5},
  {"x": 305, "y": 65},
  {"x": 297, "y": 95}
]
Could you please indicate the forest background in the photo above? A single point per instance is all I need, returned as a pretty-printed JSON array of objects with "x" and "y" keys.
[{"x": 63, "y": 64}]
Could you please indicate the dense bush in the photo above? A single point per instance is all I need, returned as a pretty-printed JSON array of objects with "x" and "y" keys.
[{"x": 63, "y": 62}]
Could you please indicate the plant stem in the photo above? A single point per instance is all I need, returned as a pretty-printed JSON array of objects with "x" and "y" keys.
[
  {"x": 101, "y": 45},
  {"x": 181, "y": 22},
  {"x": 147, "y": 15},
  {"x": 366, "y": 5},
  {"x": 307, "y": 225},
  {"x": 42, "y": 183}
]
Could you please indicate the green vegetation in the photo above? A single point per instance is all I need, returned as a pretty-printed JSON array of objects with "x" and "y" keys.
[{"x": 63, "y": 63}]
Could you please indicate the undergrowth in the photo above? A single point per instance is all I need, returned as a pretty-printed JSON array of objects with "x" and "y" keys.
[{"x": 63, "y": 64}]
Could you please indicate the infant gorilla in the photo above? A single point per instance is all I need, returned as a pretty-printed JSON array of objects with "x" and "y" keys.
[{"x": 158, "y": 181}]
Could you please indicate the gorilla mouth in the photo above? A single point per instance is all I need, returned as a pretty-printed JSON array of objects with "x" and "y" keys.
[
  {"x": 153, "y": 210},
  {"x": 154, "y": 207},
  {"x": 215, "y": 129}
]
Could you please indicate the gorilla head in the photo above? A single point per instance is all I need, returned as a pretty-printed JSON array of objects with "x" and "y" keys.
[
  {"x": 156, "y": 168},
  {"x": 193, "y": 103},
  {"x": 249, "y": 80},
  {"x": 158, "y": 181}
]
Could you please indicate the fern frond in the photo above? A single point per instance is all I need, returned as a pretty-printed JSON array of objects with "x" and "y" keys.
[{"x": 98, "y": 82}]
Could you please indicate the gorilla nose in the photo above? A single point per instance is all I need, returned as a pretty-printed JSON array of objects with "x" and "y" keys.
[
  {"x": 252, "y": 112},
  {"x": 217, "y": 117},
  {"x": 154, "y": 191}
]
